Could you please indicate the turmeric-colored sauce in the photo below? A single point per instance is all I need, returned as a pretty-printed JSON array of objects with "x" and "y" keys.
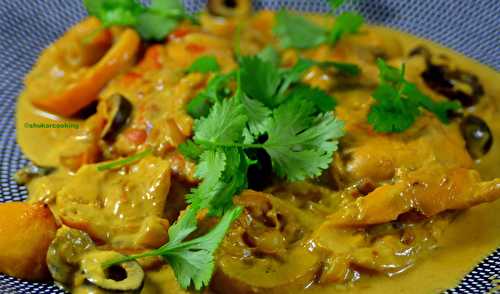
[{"x": 129, "y": 210}]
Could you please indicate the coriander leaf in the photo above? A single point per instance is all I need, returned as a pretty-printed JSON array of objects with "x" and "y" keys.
[
  {"x": 259, "y": 79},
  {"x": 93, "y": 7},
  {"x": 391, "y": 113},
  {"x": 190, "y": 150},
  {"x": 269, "y": 54},
  {"x": 441, "y": 109},
  {"x": 291, "y": 118},
  {"x": 336, "y": 3},
  {"x": 398, "y": 102},
  {"x": 224, "y": 124},
  {"x": 115, "y": 12},
  {"x": 345, "y": 24},
  {"x": 258, "y": 115},
  {"x": 204, "y": 64},
  {"x": 167, "y": 5},
  {"x": 215, "y": 90},
  {"x": 318, "y": 97},
  {"x": 193, "y": 260},
  {"x": 199, "y": 106},
  {"x": 234, "y": 178},
  {"x": 184, "y": 226},
  {"x": 153, "y": 23},
  {"x": 391, "y": 75},
  {"x": 248, "y": 137},
  {"x": 210, "y": 167},
  {"x": 154, "y": 26},
  {"x": 294, "y": 74},
  {"x": 297, "y": 32},
  {"x": 301, "y": 145}
]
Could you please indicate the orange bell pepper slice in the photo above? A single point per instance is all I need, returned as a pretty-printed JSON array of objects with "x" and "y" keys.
[{"x": 81, "y": 93}]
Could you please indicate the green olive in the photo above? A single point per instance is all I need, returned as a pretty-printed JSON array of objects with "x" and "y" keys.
[
  {"x": 126, "y": 277},
  {"x": 64, "y": 253}
]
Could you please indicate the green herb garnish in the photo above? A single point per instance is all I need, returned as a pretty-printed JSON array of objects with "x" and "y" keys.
[
  {"x": 124, "y": 161},
  {"x": 347, "y": 23},
  {"x": 216, "y": 89},
  {"x": 301, "y": 138},
  {"x": 398, "y": 102},
  {"x": 204, "y": 64},
  {"x": 153, "y": 22},
  {"x": 193, "y": 260},
  {"x": 262, "y": 105},
  {"x": 319, "y": 98},
  {"x": 336, "y": 3},
  {"x": 295, "y": 31}
]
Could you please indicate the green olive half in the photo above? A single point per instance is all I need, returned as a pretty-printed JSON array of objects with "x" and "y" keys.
[
  {"x": 127, "y": 276},
  {"x": 64, "y": 253}
]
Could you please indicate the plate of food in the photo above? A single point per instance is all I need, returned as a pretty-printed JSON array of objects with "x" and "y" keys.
[{"x": 227, "y": 146}]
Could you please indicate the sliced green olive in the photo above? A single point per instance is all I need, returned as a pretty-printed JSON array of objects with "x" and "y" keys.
[
  {"x": 64, "y": 253},
  {"x": 126, "y": 277},
  {"x": 119, "y": 110},
  {"x": 477, "y": 135},
  {"x": 29, "y": 172}
]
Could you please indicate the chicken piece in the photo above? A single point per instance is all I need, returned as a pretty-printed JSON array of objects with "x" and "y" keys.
[
  {"x": 378, "y": 157},
  {"x": 385, "y": 255},
  {"x": 388, "y": 248},
  {"x": 122, "y": 208},
  {"x": 429, "y": 191},
  {"x": 26, "y": 231}
]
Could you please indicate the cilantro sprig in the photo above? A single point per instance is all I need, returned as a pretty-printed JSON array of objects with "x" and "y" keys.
[
  {"x": 271, "y": 102},
  {"x": 301, "y": 136},
  {"x": 295, "y": 31},
  {"x": 347, "y": 23},
  {"x": 204, "y": 64},
  {"x": 153, "y": 22},
  {"x": 399, "y": 102},
  {"x": 193, "y": 260},
  {"x": 266, "y": 83},
  {"x": 119, "y": 163}
]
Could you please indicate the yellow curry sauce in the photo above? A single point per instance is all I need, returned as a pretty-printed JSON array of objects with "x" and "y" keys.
[{"x": 129, "y": 210}]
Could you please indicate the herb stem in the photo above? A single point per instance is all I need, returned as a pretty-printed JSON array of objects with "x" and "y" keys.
[
  {"x": 126, "y": 258},
  {"x": 237, "y": 145},
  {"x": 123, "y": 162}
]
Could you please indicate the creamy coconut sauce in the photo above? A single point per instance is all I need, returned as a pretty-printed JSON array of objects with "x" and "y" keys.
[{"x": 469, "y": 238}]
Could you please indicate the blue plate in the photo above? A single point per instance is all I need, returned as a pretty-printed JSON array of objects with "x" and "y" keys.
[{"x": 26, "y": 27}]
